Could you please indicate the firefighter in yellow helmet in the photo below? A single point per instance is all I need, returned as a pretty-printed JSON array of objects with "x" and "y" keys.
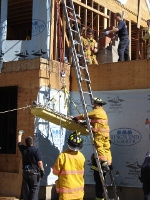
[
  {"x": 69, "y": 167},
  {"x": 100, "y": 128}
]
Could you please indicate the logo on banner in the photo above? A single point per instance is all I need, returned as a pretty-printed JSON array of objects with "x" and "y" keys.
[
  {"x": 115, "y": 105},
  {"x": 38, "y": 26},
  {"x": 115, "y": 100},
  {"x": 125, "y": 137},
  {"x": 134, "y": 170}
]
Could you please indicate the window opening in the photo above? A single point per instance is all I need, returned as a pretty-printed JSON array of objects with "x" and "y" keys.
[
  {"x": 19, "y": 20},
  {"x": 8, "y": 120}
]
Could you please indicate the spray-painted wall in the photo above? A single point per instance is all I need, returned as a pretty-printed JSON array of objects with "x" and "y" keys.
[{"x": 38, "y": 46}]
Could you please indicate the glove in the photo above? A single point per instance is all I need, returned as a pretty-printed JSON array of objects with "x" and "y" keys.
[
  {"x": 75, "y": 119},
  {"x": 20, "y": 132},
  {"x": 107, "y": 32},
  {"x": 42, "y": 173}
]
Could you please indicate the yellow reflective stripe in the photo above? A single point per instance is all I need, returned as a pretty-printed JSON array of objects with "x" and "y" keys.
[
  {"x": 94, "y": 168},
  {"x": 64, "y": 172},
  {"x": 69, "y": 190},
  {"x": 99, "y": 121},
  {"x": 55, "y": 171},
  {"x": 101, "y": 130}
]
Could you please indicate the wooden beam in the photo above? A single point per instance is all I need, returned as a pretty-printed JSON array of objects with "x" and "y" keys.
[
  {"x": 130, "y": 39},
  {"x": 115, "y": 7},
  {"x": 122, "y": 15},
  {"x": 137, "y": 45},
  {"x": 51, "y": 30},
  {"x": 139, "y": 13},
  {"x": 105, "y": 20},
  {"x": 91, "y": 9}
]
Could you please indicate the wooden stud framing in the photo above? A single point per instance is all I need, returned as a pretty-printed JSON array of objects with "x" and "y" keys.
[
  {"x": 139, "y": 13},
  {"x": 51, "y": 30}
]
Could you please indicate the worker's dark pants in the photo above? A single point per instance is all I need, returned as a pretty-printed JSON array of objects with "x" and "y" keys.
[
  {"x": 146, "y": 189},
  {"x": 98, "y": 185},
  {"x": 31, "y": 186},
  {"x": 123, "y": 48}
]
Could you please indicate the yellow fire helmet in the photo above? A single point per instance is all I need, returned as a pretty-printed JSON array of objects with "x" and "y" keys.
[
  {"x": 98, "y": 101},
  {"x": 75, "y": 141}
]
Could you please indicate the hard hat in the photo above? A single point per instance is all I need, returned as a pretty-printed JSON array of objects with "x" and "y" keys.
[
  {"x": 75, "y": 141},
  {"x": 78, "y": 16},
  {"x": 98, "y": 101}
]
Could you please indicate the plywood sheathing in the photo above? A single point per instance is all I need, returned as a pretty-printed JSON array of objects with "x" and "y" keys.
[
  {"x": 50, "y": 74},
  {"x": 49, "y": 71},
  {"x": 29, "y": 76},
  {"x": 10, "y": 184},
  {"x": 117, "y": 76}
]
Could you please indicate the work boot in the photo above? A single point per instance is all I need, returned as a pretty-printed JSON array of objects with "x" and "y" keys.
[{"x": 105, "y": 166}]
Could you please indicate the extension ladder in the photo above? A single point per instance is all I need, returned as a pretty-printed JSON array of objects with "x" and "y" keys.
[{"x": 83, "y": 78}]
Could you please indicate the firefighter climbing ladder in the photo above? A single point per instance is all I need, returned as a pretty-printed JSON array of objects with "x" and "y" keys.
[{"x": 83, "y": 78}]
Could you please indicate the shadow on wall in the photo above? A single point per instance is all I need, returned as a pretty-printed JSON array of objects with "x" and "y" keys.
[{"x": 49, "y": 154}]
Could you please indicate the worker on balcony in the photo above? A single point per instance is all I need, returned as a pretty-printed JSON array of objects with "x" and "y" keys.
[
  {"x": 147, "y": 37},
  {"x": 69, "y": 167},
  {"x": 121, "y": 30},
  {"x": 90, "y": 47},
  {"x": 100, "y": 128}
]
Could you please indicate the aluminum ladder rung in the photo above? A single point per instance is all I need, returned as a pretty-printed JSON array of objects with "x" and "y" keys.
[
  {"x": 71, "y": 19},
  {"x": 81, "y": 67},
  {"x": 86, "y": 80},
  {"x": 78, "y": 67},
  {"x": 69, "y": 7},
  {"x": 74, "y": 31},
  {"x": 87, "y": 93},
  {"x": 80, "y": 55}
]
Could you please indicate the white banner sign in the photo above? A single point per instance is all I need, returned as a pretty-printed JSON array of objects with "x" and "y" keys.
[{"x": 129, "y": 120}]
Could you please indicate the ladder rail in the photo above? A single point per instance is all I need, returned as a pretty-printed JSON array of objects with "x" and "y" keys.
[
  {"x": 78, "y": 67},
  {"x": 81, "y": 45}
]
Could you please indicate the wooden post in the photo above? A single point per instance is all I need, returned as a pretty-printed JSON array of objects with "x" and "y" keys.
[
  {"x": 137, "y": 45},
  {"x": 91, "y": 15},
  {"x": 51, "y": 30},
  {"x": 85, "y": 15},
  {"x": 105, "y": 20},
  {"x": 139, "y": 13},
  {"x": 130, "y": 39}
]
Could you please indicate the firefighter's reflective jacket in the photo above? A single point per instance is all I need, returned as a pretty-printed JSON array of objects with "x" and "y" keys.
[
  {"x": 89, "y": 45},
  {"x": 99, "y": 121},
  {"x": 69, "y": 167}
]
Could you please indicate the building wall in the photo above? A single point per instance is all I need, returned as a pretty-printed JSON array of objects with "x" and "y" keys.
[
  {"x": 38, "y": 46},
  {"x": 117, "y": 76},
  {"x": 126, "y": 78},
  {"x": 29, "y": 76}
]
